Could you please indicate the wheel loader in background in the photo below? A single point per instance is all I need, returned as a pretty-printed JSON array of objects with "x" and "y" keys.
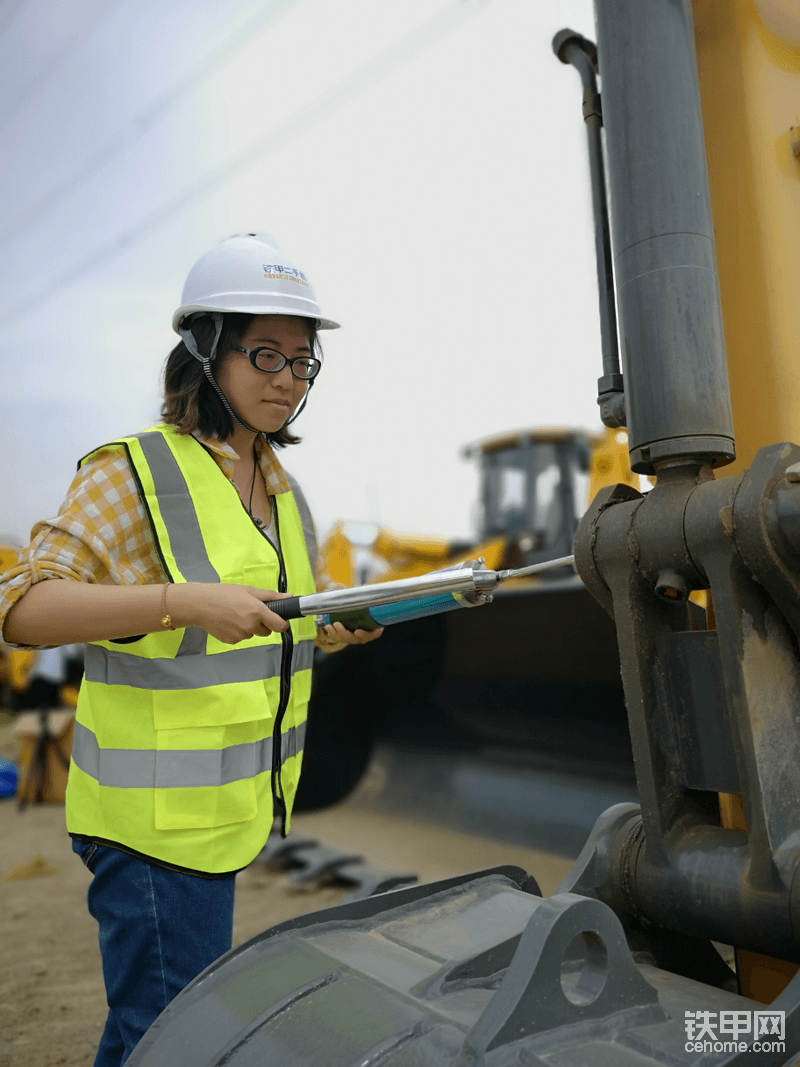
[
  {"x": 15, "y": 665},
  {"x": 527, "y": 686},
  {"x": 29, "y": 679},
  {"x": 620, "y": 967},
  {"x": 532, "y": 492}
]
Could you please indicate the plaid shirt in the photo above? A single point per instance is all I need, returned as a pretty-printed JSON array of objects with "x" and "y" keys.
[{"x": 101, "y": 533}]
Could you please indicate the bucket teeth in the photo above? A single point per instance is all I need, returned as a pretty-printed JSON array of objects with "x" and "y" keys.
[{"x": 315, "y": 864}]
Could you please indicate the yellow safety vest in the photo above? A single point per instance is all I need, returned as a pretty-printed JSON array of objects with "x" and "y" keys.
[{"x": 183, "y": 743}]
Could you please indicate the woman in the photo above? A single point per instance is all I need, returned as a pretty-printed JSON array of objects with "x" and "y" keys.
[{"x": 172, "y": 541}]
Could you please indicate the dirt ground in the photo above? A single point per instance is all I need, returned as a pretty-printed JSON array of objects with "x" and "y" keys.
[{"x": 52, "y": 1001}]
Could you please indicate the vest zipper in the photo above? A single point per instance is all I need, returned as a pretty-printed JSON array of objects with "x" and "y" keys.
[{"x": 287, "y": 652}]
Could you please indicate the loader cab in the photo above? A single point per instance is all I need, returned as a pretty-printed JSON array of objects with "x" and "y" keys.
[{"x": 532, "y": 490}]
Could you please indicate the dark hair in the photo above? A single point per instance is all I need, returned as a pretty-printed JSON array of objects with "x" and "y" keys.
[{"x": 190, "y": 402}]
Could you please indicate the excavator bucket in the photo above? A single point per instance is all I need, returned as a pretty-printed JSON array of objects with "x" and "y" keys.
[{"x": 474, "y": 970}]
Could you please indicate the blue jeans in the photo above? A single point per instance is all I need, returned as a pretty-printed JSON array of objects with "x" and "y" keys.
[{"x": 158, "y": 930}]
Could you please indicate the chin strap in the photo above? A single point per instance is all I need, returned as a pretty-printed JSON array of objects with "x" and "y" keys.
[
  {"x": 305, "y": 398},
  {"x": 215, "y": 386},
  {"x": 185, "y": 331}
]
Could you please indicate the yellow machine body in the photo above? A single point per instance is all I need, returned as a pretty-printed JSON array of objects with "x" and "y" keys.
[{"x": 748, "y": 57}]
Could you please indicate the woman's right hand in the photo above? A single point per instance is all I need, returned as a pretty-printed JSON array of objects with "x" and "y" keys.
[{"x": 231, "y": 613}]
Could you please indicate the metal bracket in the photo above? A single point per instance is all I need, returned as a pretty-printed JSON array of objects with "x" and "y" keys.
[{"x": 572, "y": 965}]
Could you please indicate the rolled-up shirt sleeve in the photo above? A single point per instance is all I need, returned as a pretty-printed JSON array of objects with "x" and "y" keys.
[{"x": 101, "y": 534}]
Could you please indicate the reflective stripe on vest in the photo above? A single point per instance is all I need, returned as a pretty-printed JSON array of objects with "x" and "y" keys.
[
  {"x": 133, "y": 768},
  {"x": 192, "y": 672},
  {"x": 180, "y": 516},
  {"x": 309, "y": 531},
  {"x": 177, "y": 509}
]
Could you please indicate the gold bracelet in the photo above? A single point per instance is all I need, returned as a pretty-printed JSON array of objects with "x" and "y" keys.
[{"x": 166, "y": 621}]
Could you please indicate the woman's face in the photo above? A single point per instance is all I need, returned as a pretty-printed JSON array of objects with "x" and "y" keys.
[{"x": 266, "y": 401}]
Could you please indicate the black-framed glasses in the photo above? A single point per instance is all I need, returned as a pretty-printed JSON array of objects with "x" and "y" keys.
[{"x": 268, "y": 360}]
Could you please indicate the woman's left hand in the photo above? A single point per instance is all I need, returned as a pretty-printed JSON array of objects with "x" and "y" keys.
[{"x": 337, "y": 631}]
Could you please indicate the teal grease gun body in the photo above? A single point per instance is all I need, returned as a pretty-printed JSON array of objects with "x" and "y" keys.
[{"x": 366, "y": 607}]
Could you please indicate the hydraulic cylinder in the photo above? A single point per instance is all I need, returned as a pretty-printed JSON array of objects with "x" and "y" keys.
[{"x": 670, "y": 320}]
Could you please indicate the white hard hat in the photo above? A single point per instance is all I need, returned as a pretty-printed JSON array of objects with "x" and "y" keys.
[{"x": 247, "y": 273}]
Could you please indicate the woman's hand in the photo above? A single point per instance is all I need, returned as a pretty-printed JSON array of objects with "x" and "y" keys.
[
  {"x": 231, "y": 613},
  {"x": 61, "y": 612},
  {"x": 337, "y": 631}
]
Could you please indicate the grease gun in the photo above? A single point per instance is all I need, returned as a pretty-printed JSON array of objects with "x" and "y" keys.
[{"x": 366, "y": 607}]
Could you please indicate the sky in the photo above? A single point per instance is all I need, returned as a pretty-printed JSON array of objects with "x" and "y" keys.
[{"x": 422, "y": 161}]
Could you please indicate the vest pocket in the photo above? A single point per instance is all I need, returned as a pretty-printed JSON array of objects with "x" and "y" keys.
[
  {"x": 207, "y": 777},
  {"x": 204, "y": 807},
  {"x": 213, "y": 706}
]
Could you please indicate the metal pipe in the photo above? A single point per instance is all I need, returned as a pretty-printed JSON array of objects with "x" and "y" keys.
[
  {"x": 573, "y": 49},
  {"x": 535, "y": 568},
  {"x": 670, "y": 321},
  {"x": 707, "y": 891}
]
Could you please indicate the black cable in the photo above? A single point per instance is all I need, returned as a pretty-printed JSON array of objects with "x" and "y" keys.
[{"x": 256, "y": 520}]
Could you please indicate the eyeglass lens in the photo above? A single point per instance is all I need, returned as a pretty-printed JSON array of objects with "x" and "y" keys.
[{"x": 268, "y": 360}]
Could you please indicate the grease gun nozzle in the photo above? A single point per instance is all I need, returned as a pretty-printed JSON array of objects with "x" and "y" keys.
[{"x": 535, "y": 568}]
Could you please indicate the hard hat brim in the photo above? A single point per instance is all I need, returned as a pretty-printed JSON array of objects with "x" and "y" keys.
[{"x": 259, "y": 308}]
